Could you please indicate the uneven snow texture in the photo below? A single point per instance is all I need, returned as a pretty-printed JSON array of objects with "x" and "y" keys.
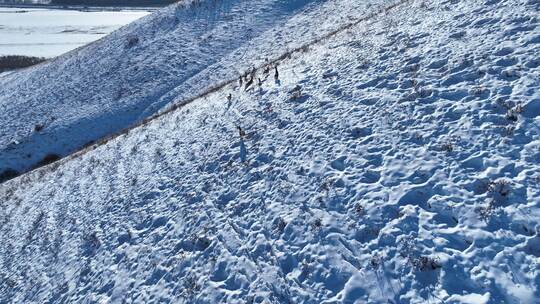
[
  {"x": 398, "y": 162},
  {"x": 176, "y": 53}
]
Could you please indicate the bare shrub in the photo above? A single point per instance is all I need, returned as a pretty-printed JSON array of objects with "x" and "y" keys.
[
  {"x": 513, "y": 113},
  {"x": 296, "y": 93},
  {"x": 485, "y": 213},
  {"x": 90, "y": 244},
  {"x": 316, "y": 225},
  {"x": 39, "y": 127},
  {"x": 132, "y": 41},
  {"x": 447, "y": 147},
  {"x": 426, "y": 263},
  {"x": 279, "y": 225},
  {"x": 191, "y": 286},
  {"x": 499, "y": 190},
  {"x": 18, "y": 62},
  {"x": 359, "y": 209}
]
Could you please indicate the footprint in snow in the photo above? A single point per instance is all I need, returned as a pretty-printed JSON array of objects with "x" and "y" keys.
[
  {"x": 419, "y": 176},
  {"x": 437, "y": 64},
  {"x": 370, "y": 177},
  {"x": 457, "y": 35},
  {"x": 505, "y": 62},
  {"x": 504, "y": 51},
  {"x": 243, "y": 151},
  {"x": 359, "y": 132},
  {"x": 417, "y": 196},
  {"x": 532, "y": 109},
  {"x": 339, "y": 163}
]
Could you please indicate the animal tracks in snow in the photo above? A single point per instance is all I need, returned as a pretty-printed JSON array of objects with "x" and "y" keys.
[{"x": 411, "y": 179}]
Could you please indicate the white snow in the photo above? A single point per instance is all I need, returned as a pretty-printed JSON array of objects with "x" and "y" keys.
[
  {"x": 162, "y": 58},
  {"x": 49, "y": 33},
  {"x": 395, "y": 162}
]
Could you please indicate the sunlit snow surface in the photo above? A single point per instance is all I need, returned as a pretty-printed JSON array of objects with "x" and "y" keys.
[
  {"x": 49, "y": 33},
  {"x": 397, "y": 162},
  {"x": 180, "y": 51}
]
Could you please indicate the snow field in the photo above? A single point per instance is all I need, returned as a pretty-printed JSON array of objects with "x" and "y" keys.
[
  {"x": 174, "y": 54},
  {"x": 396, "y": 163}
]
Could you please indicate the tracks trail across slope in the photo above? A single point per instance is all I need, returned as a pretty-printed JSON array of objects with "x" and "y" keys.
[{"x": 212, "y": 89}]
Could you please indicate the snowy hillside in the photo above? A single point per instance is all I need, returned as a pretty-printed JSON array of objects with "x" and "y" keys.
[
  {"x": 396, "y": 162},
  {"x": 178, "y": 52}
]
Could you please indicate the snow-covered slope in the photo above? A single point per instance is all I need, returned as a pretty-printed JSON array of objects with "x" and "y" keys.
[
  {"x": 397, "y": 162},
  {"x": 178, "y": 52}
]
